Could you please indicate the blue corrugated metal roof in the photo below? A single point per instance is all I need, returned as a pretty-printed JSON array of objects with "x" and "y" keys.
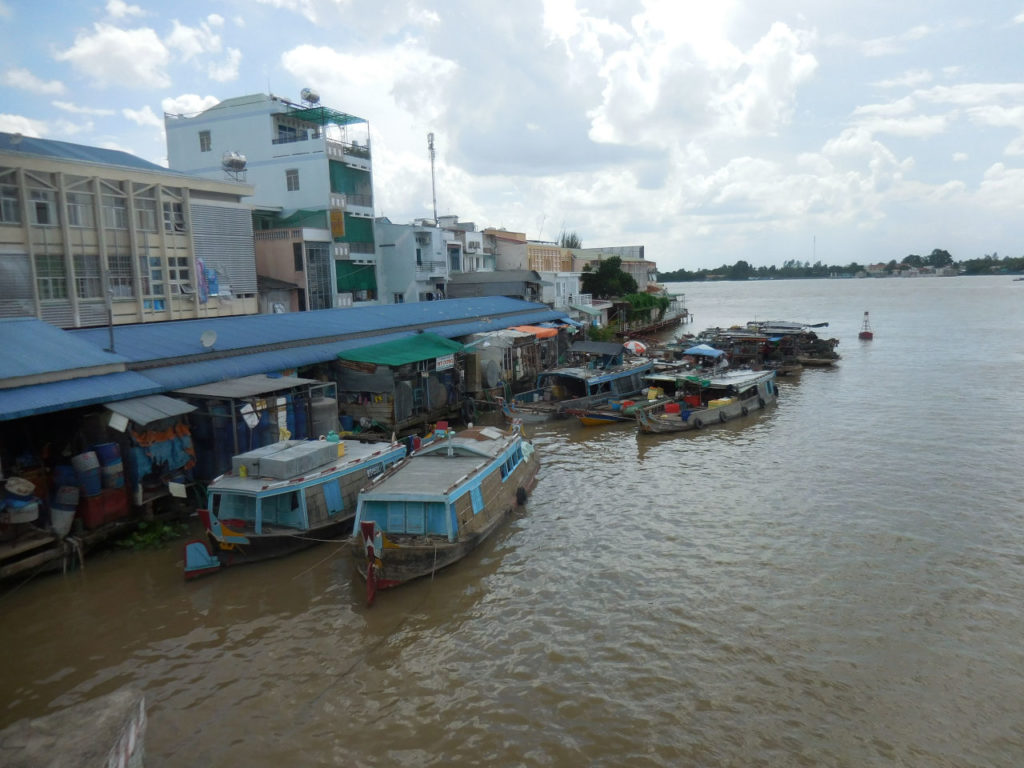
[
  {"x": 73, "y": 393},
  {"x": 173, "y": 377},
  {"x": 32, "y": 347},
  {"x": 15, "y": 142},
  {"x": 147, "y": 342},
  {"x": 150, "y": 343}
]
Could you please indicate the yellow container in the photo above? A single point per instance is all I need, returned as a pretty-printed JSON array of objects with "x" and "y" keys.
[
  {"x": 341, "y": 450},
  {"x": 721, "y": 401}
]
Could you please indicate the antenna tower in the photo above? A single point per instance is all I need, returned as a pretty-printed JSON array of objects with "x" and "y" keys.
[{"x": 433, "y": 181}]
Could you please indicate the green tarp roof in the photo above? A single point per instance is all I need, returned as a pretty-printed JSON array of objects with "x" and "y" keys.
[{"x": 422, "y": 346}]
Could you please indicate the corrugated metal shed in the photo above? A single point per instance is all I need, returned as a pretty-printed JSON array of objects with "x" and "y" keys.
[
  {"x": 156, "y": 341},
  {"x": 34, "y": 348},
  {"x": 146, "y": 410},
  {"x": 73, "y": 393},
  {"x": 173, "y": 377},
  {"x": 64, "y": 150},
  {"x": 246, "y": 386}
]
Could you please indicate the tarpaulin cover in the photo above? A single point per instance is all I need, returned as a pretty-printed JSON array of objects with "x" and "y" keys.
[
  {"x": 422, "y": 346},
  {"x": 705, "y": 350},
  {"x": 536, "y": 330}
]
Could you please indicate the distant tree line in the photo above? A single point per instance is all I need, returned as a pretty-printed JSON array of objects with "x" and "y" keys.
[{"x": 793, "y": 268}]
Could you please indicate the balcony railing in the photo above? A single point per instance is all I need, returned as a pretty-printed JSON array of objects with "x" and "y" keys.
[
  {"x": 428, "y": 269},
  {"x": 360, "y": 248}
]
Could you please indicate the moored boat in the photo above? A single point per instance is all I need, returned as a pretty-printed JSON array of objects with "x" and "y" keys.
[
  {"x": 600, "y": 371},
  {"x": 284, "y": 497},
  {"x": 440, "y": 503},
  {"x": 715, "y": 399}
]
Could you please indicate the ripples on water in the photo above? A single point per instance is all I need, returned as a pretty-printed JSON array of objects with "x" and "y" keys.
[{"x": 836, "y": 581}]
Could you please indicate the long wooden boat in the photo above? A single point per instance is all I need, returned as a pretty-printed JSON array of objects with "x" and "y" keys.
[
  {"x": 600, "y": 371},
  {"x": 441, "y": 502},
  {"x": 284, "y": 497},
  {"x": 703, "y": 402}
]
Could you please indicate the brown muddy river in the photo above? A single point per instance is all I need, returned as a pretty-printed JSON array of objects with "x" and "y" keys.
[{"x": 837, "y": 581}]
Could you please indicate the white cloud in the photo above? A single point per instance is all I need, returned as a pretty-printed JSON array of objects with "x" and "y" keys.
[
  {"x": 188, "y": 104},
  {"x": 5, "y": 11},
  {"x": 960, "y": 157},
  {"x": 74, "y": 109},
  {"x": 143, "y": 117},
  {"x": 909, "y": 79},
  {"x": 1019, "y": 18},
  {"x": 887, "y": 46},
  {"x": 118, "y": 9},
  {"x": 193, "y": 41},
  {"x": 215, "y": 20},
  {"x": 132, "y": 58},
  {"x": 306, "y": 8},
  {"x": 227, "y": 70},
  {"x": 26, "y": 81},
  {"x": 26, "y": 126}
]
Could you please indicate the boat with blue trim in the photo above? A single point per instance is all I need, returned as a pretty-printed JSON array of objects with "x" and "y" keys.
[
  {"x": 599, "y": 371},
  {"x": 430, "y": 510},
  {"x": 284, "y": 497}
]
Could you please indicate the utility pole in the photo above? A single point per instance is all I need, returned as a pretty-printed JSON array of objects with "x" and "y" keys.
[{"x": 433, "y": 181}]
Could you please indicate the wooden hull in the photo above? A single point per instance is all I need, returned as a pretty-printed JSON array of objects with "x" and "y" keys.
[
  {"x": 660, "y": 422},
  {"x": 475, "y": 506}
]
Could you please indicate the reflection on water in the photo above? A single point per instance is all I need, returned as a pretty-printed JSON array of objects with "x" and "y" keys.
[{"x": 834, "y": 581}]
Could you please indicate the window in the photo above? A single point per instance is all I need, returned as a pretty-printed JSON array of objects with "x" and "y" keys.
[
  {"x": 204, "y": 141},
  {"x": 291, "y": 178},
  {"x": 297, "y": 254},
  {"x": 174, "y": 217},
  {"x": 398, "y": 298},
  {"x": 88, "y": 283},
  {"x": 80, "y": 209},
  {"x": 120, "y": 265},
  {"x": 10, "y": 211},
  {"x": 419, "y": 256},
  {"x": 115, "y": 212},
  {"x": 145, "y": 214},
  {"x": 178, "y": 273},
  {"x": 51, "y": 277},
  {"x": 43, "y": 208}
]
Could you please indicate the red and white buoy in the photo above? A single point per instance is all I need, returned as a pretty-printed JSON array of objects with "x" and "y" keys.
[{"x": 865, "y": 330}]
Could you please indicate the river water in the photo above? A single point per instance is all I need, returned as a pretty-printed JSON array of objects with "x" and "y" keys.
[{"x": 836, "y": 581}]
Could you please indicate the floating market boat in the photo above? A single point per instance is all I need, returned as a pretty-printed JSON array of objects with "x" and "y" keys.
[
  {"x": 705, "y": 401},
  {"x": 284, "y": 497},
  {"x": 441, "y": 502},
  {"x": 600, "y": 371}
]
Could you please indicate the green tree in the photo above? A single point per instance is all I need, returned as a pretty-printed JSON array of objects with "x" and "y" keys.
[
  {"x": 608, "y": 280},
  {"x": 939, "y": 258},
  {"x": 569, "y": 240}
]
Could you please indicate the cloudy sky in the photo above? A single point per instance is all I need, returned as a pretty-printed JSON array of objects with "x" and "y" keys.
[{"x": 708, "y": 131}]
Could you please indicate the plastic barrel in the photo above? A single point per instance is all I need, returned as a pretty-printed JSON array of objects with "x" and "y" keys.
[
  {"x": 112, "y": 475},
  {"x": 87, "y": 466},
  {"x": 107, "y": 453},
  {"x": 66, "y": 496}
]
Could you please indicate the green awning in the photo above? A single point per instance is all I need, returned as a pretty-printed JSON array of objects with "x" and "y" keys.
[
  {"x": 422, "y": 346},
  {"x": 355, "y": 277},
  {"x": 324, "y": 116},
  {"x": 587, "y": 309}
]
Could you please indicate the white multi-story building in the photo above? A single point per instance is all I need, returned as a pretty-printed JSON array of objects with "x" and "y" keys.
[
  {"x": 413, "y": 261},
  {"x": 311, "y": 171},
  {"x": 91, "y": 236}
]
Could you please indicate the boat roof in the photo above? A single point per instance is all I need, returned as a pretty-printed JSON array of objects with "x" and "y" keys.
[
  {"x": 597, "y": 375},
  {"x": 431, "y": 473},
  {"x": 735, "y": 378},
  {"x": 356, "y": 454}
]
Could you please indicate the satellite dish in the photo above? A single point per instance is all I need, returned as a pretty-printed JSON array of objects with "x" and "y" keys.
[
  {"x": 309, "y": 95},
  {"x": 207, "y": 339}
]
